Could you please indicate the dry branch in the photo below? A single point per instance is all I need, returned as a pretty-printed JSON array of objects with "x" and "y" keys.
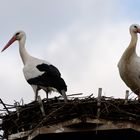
[{"x": 29, "y": 116}]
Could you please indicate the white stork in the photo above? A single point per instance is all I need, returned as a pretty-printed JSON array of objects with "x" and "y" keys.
[
  {"x": 40, "y": 74},
  {"x": 129, "y": 64}
]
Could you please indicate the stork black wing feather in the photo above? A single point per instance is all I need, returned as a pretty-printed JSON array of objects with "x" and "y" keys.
[
  {"x": 49, "y": 69},
  {"x": 49, "y": 81},
  {"x": 50, "y": 78}
]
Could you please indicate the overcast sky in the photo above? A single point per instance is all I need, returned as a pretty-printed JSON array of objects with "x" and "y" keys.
[{"x": 83, "y": 38}]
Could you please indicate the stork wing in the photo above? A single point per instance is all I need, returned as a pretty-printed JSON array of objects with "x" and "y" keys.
[
  {"x": 49, "y": 69},
  {"x": 50, "y": 78}
]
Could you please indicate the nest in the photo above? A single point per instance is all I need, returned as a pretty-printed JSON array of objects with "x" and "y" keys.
[{"x": 53, "y": 111}]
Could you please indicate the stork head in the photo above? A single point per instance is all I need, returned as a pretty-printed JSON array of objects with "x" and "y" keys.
[
  {"x": 17, "y": 36},
  {"x": 134, "y": 28}
]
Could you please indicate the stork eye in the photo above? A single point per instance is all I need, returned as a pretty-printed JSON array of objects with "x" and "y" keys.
[
  {"x": 135, "y": 26},
  {"x": 17, "y": 34}
]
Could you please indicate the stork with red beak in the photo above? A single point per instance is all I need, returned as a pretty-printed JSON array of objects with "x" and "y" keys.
[
  {"x": 129, "y": 63},
  {"x": 40, "y": 74}
]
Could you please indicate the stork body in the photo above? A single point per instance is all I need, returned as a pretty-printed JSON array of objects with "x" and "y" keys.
[
  {"x": 40, "y": 74},
  {"x": 129, "y": 64}
]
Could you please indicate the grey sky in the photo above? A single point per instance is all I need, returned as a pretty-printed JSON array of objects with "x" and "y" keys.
[{"x": 83, "y": 38}]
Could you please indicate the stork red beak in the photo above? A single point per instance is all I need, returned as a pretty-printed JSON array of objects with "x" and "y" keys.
[
  {"x": 138, "y": 30},
  {"x": 9, "y": 43}
]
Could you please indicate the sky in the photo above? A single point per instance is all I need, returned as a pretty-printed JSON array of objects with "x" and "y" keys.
[{"x": 84, "y": 39}]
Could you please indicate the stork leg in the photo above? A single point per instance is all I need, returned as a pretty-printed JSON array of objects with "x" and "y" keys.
[
  {"x": 36, "y": 95},
  {"x": 35, "y": 88},
  {"x": 47, "y": 94},
  {"x": 64, "y": 96}
]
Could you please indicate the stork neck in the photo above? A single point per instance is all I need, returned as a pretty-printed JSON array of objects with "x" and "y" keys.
[
  {"x": 133, "y": 42},
  {"x": 131, "y": 50},
  {"x": 22, "y": 50}
]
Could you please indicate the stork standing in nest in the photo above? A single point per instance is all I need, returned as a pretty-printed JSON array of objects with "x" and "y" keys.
[
  {"x": 129, "y": 64},
  {"x": 40, "y": 74}
]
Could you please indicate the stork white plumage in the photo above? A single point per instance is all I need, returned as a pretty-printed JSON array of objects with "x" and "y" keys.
[
  {"x": 40, "y": 74},
  {"x": 129, "y": 64}
]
